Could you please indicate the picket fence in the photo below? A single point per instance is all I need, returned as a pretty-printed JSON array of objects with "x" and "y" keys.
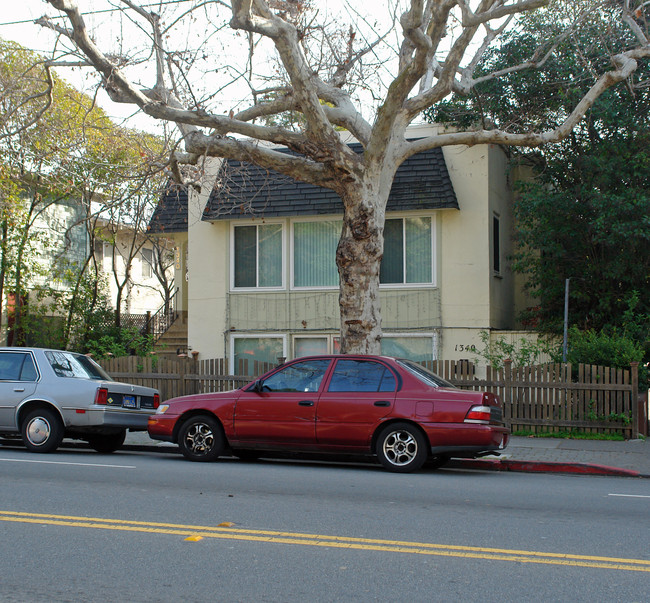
[{"x": 543, "y": 398}]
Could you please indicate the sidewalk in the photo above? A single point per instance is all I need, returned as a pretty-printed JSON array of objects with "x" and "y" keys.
[
  {"x": 595, "y": 457},
  {"x": 547, "y": 455}
]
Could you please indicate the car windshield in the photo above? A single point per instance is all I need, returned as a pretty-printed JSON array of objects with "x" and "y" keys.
[
  {"x": 424, "y": 375},
  {"x": 67, "y": 364}
]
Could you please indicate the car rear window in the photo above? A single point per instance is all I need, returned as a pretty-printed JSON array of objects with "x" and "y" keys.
[
  {"x": 361, "y": 376},
  {"x": 67, "y": 364},
  {"x": 424, "y": 375}
]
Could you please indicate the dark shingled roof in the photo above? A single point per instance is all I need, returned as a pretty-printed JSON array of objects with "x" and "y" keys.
[
  {"x": 421, "y": 182},
  {"x": 170, "y": 214}
]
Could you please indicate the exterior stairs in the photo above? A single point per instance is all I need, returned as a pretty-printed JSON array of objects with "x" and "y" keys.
[{"x": 174, "y": 340}]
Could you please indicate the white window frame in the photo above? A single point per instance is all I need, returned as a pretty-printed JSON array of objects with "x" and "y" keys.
[
  {"x": 292, "y": 252},
  {"x": 145, "y": 264},
  {"x": 434, "y": 259},
  {"x": 434, "y": 335},
  {"x": 234, "y": 224},
  {"x": 330, "y": 337},
  {"x": 107, "y": 263},
  {"x": 235, "y": 335},
  {"x": 98, "y": 253}
]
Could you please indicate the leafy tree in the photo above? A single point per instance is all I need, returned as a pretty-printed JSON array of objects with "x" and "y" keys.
[
  {"x": 324, "y": 71},
  {"x": 58, "y": 149},
  {"x": 586, "y": 214}
]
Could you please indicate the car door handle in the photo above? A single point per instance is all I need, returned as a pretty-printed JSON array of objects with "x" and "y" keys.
[
  {"x": 382, "y": 403},
  {"x": 19, "y": 389},
  {"x": 306, "y": 403}
]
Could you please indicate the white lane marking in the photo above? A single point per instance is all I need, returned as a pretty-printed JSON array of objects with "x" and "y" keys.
[
  {"x": 66, "y": 463},
  {"x": 631, "y": 495}
]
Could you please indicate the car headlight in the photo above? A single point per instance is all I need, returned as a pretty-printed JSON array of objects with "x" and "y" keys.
[{"x": 162, "y": 408}]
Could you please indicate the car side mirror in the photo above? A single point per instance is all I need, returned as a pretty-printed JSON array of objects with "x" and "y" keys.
[{"x": 257, "y": 386}]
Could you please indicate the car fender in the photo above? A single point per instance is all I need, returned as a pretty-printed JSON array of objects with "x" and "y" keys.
[
  {"x": 226, "y": 423},
  {"x": 380, "y": 426},
  {"x": 30, "y": 404}
]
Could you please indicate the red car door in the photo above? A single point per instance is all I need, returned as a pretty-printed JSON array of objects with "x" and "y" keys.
[
  {"x": 282, "y": 412},
  {"x": 359, "y": 394}
]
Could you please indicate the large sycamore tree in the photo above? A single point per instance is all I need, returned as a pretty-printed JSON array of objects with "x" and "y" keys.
[{"x": 369, "y": 76}]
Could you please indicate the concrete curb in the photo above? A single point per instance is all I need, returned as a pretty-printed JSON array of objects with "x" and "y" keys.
[{"x": 542, "y": 467}]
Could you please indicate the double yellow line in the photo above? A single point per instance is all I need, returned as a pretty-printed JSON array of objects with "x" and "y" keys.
[{"x": 225, "y": 531}]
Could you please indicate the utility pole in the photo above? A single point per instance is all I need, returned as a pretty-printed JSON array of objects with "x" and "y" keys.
[{"x": 566, "y": 318}]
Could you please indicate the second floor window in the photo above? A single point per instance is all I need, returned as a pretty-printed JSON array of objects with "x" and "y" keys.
[
  {"x": 496, "y": 246},
  {"x": 258, "y": 253},
  {"x": 314, "y": 253},
  {"x": 408, "y": 251},
  {"x": 258, "y": 256},
  {"x": 147, "y": 262}
]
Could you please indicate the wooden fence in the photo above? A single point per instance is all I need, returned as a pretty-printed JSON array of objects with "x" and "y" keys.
[
  {"x": 559, "y": 397},
  {"x": 182, "y": 376},
  {"x": 544, "y": 398}
]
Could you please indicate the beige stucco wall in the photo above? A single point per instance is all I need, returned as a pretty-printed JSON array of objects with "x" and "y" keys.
[
  {"x": 502, "y": 309},
  {"x": 207, "y": 274},
  {"x": 473, "y": 297}
]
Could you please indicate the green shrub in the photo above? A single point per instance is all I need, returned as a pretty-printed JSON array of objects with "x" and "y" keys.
[
  {"x": 613, "y": 349},
  {"x": 115, "y": 342},
  {"x": 522, "y": 353}
]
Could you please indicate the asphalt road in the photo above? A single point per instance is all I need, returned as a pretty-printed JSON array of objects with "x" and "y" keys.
[{"x": 78, "y": 526}]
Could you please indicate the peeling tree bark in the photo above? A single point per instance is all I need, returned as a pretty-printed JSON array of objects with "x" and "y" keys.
[{"x": 358, "y": 257}]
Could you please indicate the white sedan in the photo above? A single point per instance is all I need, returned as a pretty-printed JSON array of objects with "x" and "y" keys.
[{"x": 46, "y": 395}]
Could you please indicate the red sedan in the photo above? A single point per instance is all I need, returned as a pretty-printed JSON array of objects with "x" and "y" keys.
[{"x": 368, "y": 405}]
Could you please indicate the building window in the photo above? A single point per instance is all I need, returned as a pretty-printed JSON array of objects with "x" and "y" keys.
[
  {"x": 408, "y": 251},
  {"x": 313, "y": 345},
  {"x": 108, "y": 257},
  {"x": 417, "y": 347},
  {"x": 98, "y": 252},
  {"x": 496, "y": 245},
  {"x": 146, "y": 260},
  {"x": 314, "y": 253},
  {"x": 250, "y": 353},
  {"x": 257, "y": 256}
]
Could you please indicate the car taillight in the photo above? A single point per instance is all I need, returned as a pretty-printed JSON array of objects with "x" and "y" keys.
[
  {"x": 156, "y": 400},
  {"x": 478, "y": 414},
  {"x": 101, "y": 397}
]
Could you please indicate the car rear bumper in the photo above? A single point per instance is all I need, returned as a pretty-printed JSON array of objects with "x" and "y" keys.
[
  {"x": 106, "y": 417},
  {"x": 466, "y": 440}
]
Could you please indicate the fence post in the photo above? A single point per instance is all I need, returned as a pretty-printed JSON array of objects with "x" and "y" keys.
[
  {"x": 635, "y": 399},
  {"x": 181, "y": 376},
  {"x": 507, "y": 387}
]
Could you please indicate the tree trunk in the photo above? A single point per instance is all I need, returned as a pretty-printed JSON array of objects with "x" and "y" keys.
[{"x": 358, "y": 257}]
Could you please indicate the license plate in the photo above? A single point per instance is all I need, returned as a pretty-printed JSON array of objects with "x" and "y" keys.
[{"x": 128, "y": 402}]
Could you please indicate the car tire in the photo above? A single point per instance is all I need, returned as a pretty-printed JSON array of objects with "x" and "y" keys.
[
  {"x": 107, "y": 442},
  {"x": 401, "y": 448},
  {"x": 437, "y": 461},
  {"x": 201, "y": 439},
  {"x": 248, "y": 456},
  {"x": 42, "y": 430}
]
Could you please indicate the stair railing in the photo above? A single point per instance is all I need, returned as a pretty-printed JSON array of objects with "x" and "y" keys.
[{"x": 158, "y": 323}]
